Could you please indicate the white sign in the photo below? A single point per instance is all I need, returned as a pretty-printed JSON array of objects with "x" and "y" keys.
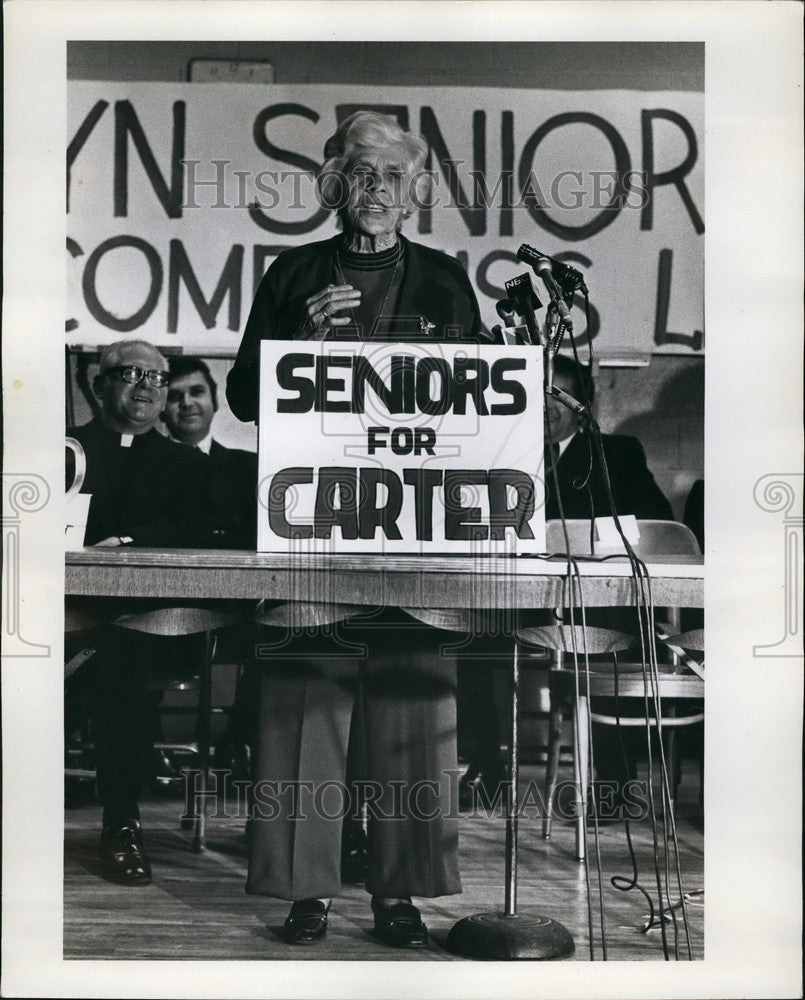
[
  {"x": 400, "y": 448},
  {"x": 180, "y": 196}
]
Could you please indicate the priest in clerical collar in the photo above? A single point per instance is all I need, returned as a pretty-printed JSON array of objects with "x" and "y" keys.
[{"x": 146, "y": 489}]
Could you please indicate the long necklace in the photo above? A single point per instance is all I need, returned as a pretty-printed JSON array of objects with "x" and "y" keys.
[{"x": 340, "y": 273}]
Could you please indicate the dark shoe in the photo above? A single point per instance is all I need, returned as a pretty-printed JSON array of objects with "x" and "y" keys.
[
  {"x": 122, "y": 854},
  {"x": 480, "y": 787},
  {"x": 400, "y": 925},
  {"x": 307, "y": 922}
]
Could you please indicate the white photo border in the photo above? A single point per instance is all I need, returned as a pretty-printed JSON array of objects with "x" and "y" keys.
[{"x": 753, "y": 428}]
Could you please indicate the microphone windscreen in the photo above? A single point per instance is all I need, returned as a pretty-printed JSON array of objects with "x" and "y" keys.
[{"x": 505, "y": 308}]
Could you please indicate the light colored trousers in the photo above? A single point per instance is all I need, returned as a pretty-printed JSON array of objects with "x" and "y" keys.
[{"x": 405, "y": 684}]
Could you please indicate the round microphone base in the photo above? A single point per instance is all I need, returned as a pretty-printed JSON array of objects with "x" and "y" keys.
[{"x": 501, "y": 937}]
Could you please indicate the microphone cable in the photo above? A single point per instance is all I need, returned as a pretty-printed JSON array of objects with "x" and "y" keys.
[
  {"x": 641, "y": 582},
  {"x": 651, "y": 678},
  {"x": 590, "y": 784},
  {"x": 650, "y": 671},
  {"x": 639, "y": 576},
  {"x": 574, "y": 574},
  {"x": 668, "y": 804},
  {"x": 588, "y": 325}
]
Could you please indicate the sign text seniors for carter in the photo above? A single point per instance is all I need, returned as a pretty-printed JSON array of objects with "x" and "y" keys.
[{"x": 370, "y": 447}]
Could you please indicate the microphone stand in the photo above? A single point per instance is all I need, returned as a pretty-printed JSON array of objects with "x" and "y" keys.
[{"x": 510, "y": 935}]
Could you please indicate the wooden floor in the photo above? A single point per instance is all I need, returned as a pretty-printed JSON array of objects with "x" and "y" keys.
[{"x": 196, "y": 907}]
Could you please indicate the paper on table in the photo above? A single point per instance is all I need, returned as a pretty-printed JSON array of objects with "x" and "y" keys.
[{"x": 607, "y": 535}]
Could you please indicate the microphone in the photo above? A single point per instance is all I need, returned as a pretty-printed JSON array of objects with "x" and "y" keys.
[
  {"x": 512, "y": 331},
  {"x": 525, "y": 301},
  {"x": 572, "y": 404},
  {"x": 505, "y": 309},
  {"x": 568, "y": 277},
  {"x": 542, "y": 268}
]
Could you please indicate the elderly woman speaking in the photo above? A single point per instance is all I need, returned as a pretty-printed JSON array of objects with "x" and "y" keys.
[{"x": 367, "y": 283}]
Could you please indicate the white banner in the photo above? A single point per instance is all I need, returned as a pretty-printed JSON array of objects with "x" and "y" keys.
[
  {"x": 180, "y": 195},
  {"x": 400, "y": 448}
]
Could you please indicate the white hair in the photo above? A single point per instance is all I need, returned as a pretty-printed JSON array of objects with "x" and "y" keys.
[
  {"x": 110, "y": 355},
  {"x": 368, "y": 130}
]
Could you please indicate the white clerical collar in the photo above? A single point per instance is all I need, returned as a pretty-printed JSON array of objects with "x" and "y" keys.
[
  {"x": 565, "y": 442},
  {"x": 126, "y": 440},
  {"x": 204, "y": 445}
]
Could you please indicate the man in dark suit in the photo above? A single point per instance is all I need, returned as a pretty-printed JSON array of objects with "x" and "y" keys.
[
  {"x": 189, "y": 410},
  {"x": 583, "y": 494},
  {"x": 582, "y": 487},
  {"x": 191, "y": 404},
  {"x": 146, "y": 490}
]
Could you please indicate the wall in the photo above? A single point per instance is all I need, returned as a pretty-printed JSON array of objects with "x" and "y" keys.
[
  {"x": 558, "y": 66},
  {"x": 662, "y": 404}
]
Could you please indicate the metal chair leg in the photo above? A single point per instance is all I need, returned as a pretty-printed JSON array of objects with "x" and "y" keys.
[
  {"x": 581, "y": 768},
  {"x": 552, "y": 768},
  {"x": 671, "y": 755},
  {"x": 203, "y": 736}
]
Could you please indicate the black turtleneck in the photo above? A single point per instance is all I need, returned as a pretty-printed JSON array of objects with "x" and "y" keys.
[{"x": 374, "y": 275}]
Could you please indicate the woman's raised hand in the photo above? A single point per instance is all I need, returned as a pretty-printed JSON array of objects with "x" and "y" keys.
[{"x": 323, "y": 309}]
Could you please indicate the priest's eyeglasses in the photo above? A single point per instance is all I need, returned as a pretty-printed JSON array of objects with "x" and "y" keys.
[{"x": 133, "y": 375}]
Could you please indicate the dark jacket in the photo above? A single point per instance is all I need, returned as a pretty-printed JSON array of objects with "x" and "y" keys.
[
  {"x": 435, "y": 290},
  {"x": 155, "y": 491},
  {"x": 233, "y": 495},
  {"x": 694, "y": 511},
  {"x": 633, "y": 487}
]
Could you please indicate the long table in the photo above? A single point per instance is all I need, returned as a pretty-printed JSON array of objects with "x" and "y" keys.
[
  {"x": 409, "y": 582},
  {"x": 398, "y": 581}
]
